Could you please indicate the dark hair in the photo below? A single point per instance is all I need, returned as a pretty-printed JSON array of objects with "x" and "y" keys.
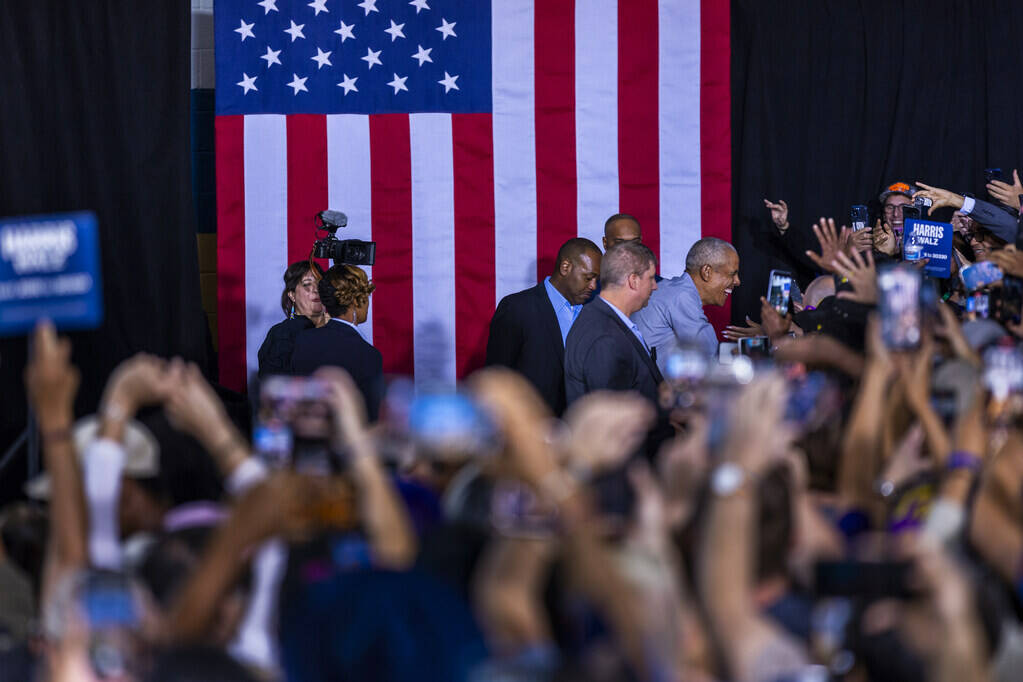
[
  {"x": 574, "y": 248},
  {"x": 622, "y": 260},
  {"x": 292, "y": 278},
  {"x": 615, "y": 218},
  {"x": 344, "y": 287}
]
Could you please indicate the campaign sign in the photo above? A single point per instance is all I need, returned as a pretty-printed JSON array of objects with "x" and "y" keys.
[
  {"x": 49, "y": 267},
  {"x": 931, "y": 240}
]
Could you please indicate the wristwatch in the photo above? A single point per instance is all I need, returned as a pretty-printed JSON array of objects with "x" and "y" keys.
[{"x": 727, "y": 479}]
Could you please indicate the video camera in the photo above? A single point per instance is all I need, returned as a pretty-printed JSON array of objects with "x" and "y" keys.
[{"x": 344, "y": 251}]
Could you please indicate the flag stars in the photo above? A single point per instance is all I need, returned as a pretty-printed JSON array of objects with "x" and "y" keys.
[
  {"x": 345, "y": 32},
  {"x": 395, "y": 31},
  {"x": 372, "y": 57},
  {"x": 296, "y": 31},
  {"x": 268, "y": 6},
  {"x": 245, "y": 30},
  {"x": 248, "y": 83},
  {"x": 319, "y": 6},
  {"x": 298, "y": 84},
  {"x": 423, "y": 55},
  {"x": 369, "y": 6},
  {"x": 419, "y": 5},
  {"x": 448, "y": 83},
  {"x": 447, "y": 29},
  {"x": 398, "y": 83},
  {"x": 348, "y": 84},
  {"x": 322, "y": 59},
  {"x": 272, "y": 57}
]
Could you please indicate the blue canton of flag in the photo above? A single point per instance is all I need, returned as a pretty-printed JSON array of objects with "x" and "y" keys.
[{"x": 343, "y": 56}]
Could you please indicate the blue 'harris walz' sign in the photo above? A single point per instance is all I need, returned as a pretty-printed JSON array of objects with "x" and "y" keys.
[
  {"x": 927, "y": 239},
  {"x": 49, "y": 267}
]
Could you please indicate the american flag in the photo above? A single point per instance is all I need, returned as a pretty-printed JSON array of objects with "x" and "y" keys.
[{"x": 469, "y": 139}]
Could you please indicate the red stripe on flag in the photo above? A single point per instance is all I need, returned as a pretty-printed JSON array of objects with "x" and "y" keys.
[
  {"x": 638, "y": 160},
  {"x": 391, "y": 176},
  {"x": 554, "y": 93},
  {"x": 307, "y": 181},
  {"x": 716, "y": 131},
  {"x": 473, "y": 159},
  {"x": 230, "y": 142}
]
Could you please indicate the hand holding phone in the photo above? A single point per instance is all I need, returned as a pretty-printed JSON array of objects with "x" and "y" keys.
[
  {"x": 779, "y": 290},
  {"x": 899, "y": 306}
]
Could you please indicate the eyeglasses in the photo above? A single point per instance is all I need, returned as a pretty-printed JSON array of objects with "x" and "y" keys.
[{"x": 892, "y": 209}]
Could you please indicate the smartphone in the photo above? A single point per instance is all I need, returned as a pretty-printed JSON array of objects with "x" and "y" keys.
[
  {"x": 864, "y": 579},
  {"x": 293, "y": 424},
  {"x": 910, "y": 212},
  {"x": 779, "y": 290},
  {"x": 899, "y": 306},
  {"x": 858, "y": 217},
  {"x": 993, "y": 174},
  {"x": 755, "y": 347},
  {"x": 980, "y": 275},
  {"x": 451, "y": 423},
  {"x": 923, "y": 204}
]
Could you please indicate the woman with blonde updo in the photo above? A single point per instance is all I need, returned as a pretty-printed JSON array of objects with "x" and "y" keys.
[{"x": 344, "y": 293}]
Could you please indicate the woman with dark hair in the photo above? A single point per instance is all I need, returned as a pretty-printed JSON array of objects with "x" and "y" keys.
[
  {"x": 344, "y": 292},
  {"x": 300, "y": 302}
]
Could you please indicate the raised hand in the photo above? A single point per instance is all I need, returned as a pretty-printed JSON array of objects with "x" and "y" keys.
[
  {"x": 606, "y": 427},
  {"x": 941, "y": 198},
  {"x": 832, "y": 241},
  {"x": 861, "y": 240},
  {"x": 779, "y": 214},
  {"x": 1006, "y": 193},
  {"x": 1008, "y": 260},
  {"x": 50, "y": 379},
  {"x": 774, "y": 324},
  {"x": 885, "y": 240},
  {"x": 862, "y": 275},
  {"x": 734, "y": 333},
  {"x": 347, "y": 403}
]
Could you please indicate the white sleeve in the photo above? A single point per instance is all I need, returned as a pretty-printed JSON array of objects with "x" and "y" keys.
[
  {"x": 968, "y": 204},
  {"x": 102, "y": 466}
]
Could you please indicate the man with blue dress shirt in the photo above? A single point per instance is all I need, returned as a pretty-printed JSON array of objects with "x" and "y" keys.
[
  {"x": 529, "y": 328},
  {"x": 674, "y": 317}
]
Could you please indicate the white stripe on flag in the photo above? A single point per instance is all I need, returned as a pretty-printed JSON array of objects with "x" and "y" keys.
[
  {"x": 266, "y": 234},
  {"x": 349, "y": 183},
  {"x": 433, "y": 249},
  {"x": 678, "y": 66},
  {"x": 596, "y": 115},
  {"x": 514, "y": 147}
]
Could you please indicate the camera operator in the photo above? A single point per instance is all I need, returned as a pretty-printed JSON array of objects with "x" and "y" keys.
[
  {"x": 344, "y": 291},
  {"x": 300, "y": 302}
]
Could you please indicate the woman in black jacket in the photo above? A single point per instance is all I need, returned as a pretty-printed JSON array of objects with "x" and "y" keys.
[
  {"x": 345, "y": 292},
  {"x": 300, "y": 302}
]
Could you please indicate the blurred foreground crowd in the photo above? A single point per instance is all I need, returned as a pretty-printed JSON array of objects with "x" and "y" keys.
[{"x": 845, "y": 503}]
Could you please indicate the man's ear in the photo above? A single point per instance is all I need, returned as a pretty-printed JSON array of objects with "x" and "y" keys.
[
  {"x": 565, "y": 267},
  {"x": 705, "y": 272}
]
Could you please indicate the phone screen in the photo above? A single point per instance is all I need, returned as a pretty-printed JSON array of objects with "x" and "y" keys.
[
  {"x": 779, "y": 289},
  {"x": 858, "y": 215},
  {"x": 293, "y": 424},
  {"x": 900, "y": 306},
  {"x": 992, "y": 174},
  {"x": 755, "y": 347},
  {"x": 979, "y": 275}
]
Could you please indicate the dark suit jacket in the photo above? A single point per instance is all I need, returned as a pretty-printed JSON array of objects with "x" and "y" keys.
[
  {"x": 1000, "y": 221},
  {"x": 279, "y": 345},
  {"x": 602, "y": 353},
  {"x": 525, "y": 336},
  {"x": 339, "y": 345}
]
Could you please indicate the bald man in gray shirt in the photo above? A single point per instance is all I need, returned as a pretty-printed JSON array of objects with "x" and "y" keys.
[{"x": 674, "y": 317}]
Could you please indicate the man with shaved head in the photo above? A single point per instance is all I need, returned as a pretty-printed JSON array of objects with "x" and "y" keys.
[
  {"x": 529, "y": 328},
  {"x": 620, "y": 228},
  {"x": 674, "y": 318}
]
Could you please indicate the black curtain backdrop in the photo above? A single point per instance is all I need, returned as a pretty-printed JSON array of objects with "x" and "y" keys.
[
  {"x": 834, "y": 99},
  {"x": 94, "y": 114}
]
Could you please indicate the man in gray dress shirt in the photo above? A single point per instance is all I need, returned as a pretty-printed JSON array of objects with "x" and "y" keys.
[{"x": 674, "y": 316}]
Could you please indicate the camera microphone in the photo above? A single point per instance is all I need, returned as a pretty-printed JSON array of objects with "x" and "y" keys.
[{"x": 332, "y": 220}]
